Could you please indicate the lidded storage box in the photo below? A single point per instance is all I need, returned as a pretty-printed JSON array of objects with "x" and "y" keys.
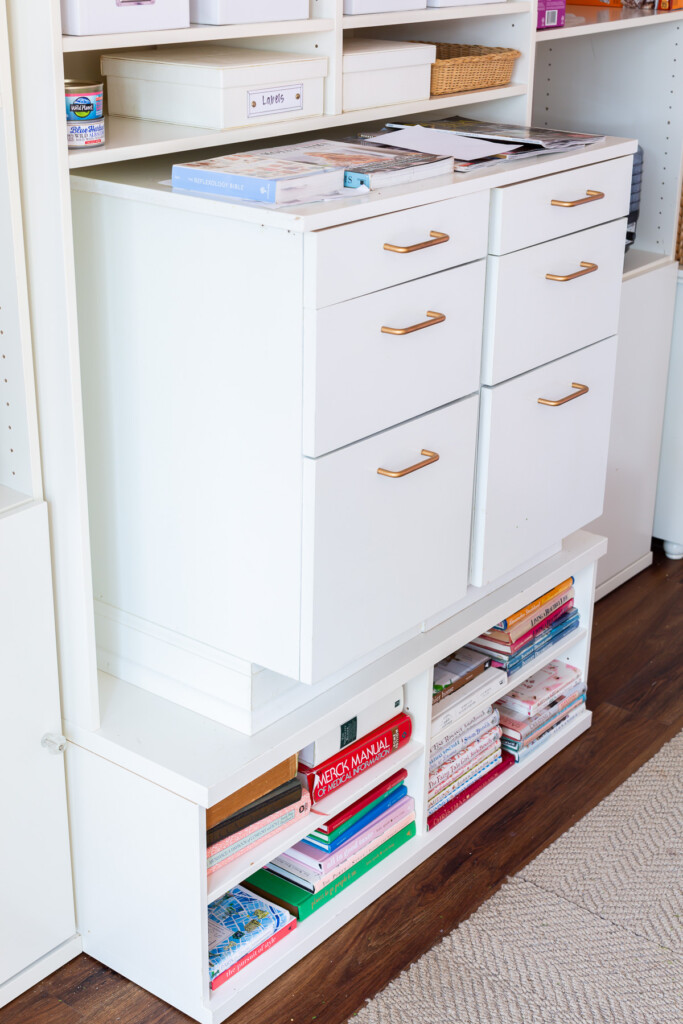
[
  {"x": 382, "y": 71},
  {"x": 213, "y": 86},
  {"x": 240, "y": 12},
  {"x": 95, "y": 17},
  {"x": 382, "y": 6}
]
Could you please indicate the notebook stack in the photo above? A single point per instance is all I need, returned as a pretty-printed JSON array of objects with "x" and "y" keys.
[
  {"x": 242, "y": 927},
  {"x": 255, "y": 813},
  {"x": 544, "y": 703},
  {"x": 516, "y": 641},
  {"x": 339, "y": 851}
]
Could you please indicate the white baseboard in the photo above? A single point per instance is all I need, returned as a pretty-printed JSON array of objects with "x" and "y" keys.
[
  {"x": 607, "y": 586},
  {"x": 40, "y": 969}
]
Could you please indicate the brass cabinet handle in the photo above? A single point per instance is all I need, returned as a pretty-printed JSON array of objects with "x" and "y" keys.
[
  {"x": 591, "y": 197},
  {"x": 395, "y": 473},
  {"x": 434, "y": 318},
  {"x": 581, "y": 389},
  {"x": 590, "y": 268},
  {"x": 437, "y": 238}
]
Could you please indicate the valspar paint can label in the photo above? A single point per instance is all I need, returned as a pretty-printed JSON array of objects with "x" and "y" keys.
[
  {"x": 84, "y": 101},
  {"x": 84, "y": 134}
]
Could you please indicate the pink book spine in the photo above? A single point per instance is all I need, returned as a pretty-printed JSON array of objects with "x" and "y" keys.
[
  {"x": 322, "y": 862},
  {"x": 233, "y": 846},
  {"x": 220, "y": 979},
  {"x": 517, "y": 726},
  {"x": 469, "y": 771},
  {"x": 462, "y": 760},
  {"x": 359, "y": 854}
]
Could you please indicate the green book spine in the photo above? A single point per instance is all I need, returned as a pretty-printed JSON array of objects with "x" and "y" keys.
[
  {"x": 331, "y": 836},
  {"x": 301, "y": 903}
]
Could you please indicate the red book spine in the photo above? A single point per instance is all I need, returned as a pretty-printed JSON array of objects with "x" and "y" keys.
[
  {"x": 220, "y": 979},
  {"x": 356, "y": 758},
  {"x": 477, "y": 785},
  {"x": 358, "y": 805}
]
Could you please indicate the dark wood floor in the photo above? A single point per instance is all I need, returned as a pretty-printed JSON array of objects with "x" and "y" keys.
[{"x": 636, "y": 693}]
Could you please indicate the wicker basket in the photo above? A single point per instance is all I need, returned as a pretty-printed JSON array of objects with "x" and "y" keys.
[{"x": 459, "y": 68}]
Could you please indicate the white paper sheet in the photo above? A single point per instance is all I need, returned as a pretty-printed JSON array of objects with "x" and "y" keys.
[{"x": 443, "y": 143}]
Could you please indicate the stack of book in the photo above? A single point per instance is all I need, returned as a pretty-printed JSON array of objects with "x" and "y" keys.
[
  {"x": 340, "y": 850},
  {"x": 465, "y": 749},
  {"x": 255, "y": 813},
  {"x": 519, "y": 639},
  {"x": 545, "y": 702},
  {"x": 241, "y": 927}
]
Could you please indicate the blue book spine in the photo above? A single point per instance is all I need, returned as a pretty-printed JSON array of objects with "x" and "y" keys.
[
  {"x": 218, "y": 183},
  {"x": 352, "y": 179},
  {"x": 392, "y": 798}
]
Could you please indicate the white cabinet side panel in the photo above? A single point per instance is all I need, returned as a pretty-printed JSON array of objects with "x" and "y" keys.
[
  {"x": 140, "y": 888},
  {"x": 645, "y": 322},
  {"x": 191, "y": 349},
  {"x": 36, "y": 899}
]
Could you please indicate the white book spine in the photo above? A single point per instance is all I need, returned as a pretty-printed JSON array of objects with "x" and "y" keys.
[
  {"x": 482, "y": 690},
  {"x": 330, "y": 743}
]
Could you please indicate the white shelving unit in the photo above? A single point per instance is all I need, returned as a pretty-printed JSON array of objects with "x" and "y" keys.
[
  {"x": 38, "y": 928},
  {"x": 124, "y": 740}
]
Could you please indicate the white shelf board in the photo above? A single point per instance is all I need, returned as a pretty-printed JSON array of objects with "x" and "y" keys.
[
  {"x": 607, "y": 19},
  {"x": 426, "y": 17},
  {"x": 11, "y": 499},
  {"x": 335, "y": 914},
  {"x": 204, "y": 761},
  {"x": 146, "y": 181},
  {"x": 194, "y": 34},
  {"x": 131, "y": 139},
  {"x": 639, "y": 261},
  {"x": 237, "y": 870}
]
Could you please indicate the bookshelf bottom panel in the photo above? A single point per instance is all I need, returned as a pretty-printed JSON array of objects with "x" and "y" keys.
[{"x": 335, "y": 914}]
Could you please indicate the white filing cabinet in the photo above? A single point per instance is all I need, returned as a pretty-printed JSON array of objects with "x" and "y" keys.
[{"x": 281, "y": 423}]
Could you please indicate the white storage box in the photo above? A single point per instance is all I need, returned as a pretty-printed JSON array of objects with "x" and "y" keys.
[
  {"x": 382, "y": 6},
  {"x": 242, "y": 12},
  {"x": 213, "y": 86},
  {"x": 382, "y": 71},
  {"x": 97, "y": 17}
]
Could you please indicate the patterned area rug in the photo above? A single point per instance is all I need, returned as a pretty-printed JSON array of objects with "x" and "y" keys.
[{"x": 591, "y": 932}]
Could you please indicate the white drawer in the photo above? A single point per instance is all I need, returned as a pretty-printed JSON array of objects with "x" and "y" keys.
[
  {"x": 344, "y": 262},
  {"x": 529, "y": 213},
  {"x": 359, "y": 378},
  {"x": 541, "y": 468},
  {"x": 532, "y": 318},
  {"x": 380, "y": 554}
]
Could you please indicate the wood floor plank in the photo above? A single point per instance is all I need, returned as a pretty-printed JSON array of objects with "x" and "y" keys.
[{"x": 636, "y": 692}]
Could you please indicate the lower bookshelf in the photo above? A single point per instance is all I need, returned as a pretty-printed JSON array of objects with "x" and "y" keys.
[
  {"x": 335, "y": 914},
  {"x": 141, "y": 883}
]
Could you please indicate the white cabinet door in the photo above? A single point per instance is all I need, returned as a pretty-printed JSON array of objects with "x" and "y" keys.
[
  {"x": 541, "y": 469},
  {"x": 382, "y": 553},
  {"x": 36, "y": 900}
]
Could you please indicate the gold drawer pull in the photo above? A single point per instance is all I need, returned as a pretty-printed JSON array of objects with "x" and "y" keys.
[
  {"x": 435, "y": 318},
  {"x": 590, "y": 197},
  {"x": 581, "y": 389},
  {"x": 437, "y": 237},
  {"x": 590, "y": 268},
  {"x": 394, "y": 473}
]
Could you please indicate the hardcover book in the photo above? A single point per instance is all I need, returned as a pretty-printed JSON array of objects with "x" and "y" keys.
[
  {"x": 239, "y": 923},
  {"x": 541, "y": 688},
  {"x": 496, "y": 641},
  {"x": 265, "y": 783},
  {"x": 301, "y": 903},
  {"x": 518, "y": 726},
  {"x": 514, "y": 746},
  {"x": 507, "y": 761},
  {"x": 570, "y": 716},
  {"x": 455, "y": 671},
  {"x": 233, "y": 846},
  {"x": 314, "y": 882},
  {"x": 359, "y": 821},
  {"x": 534, "y": 606},
  {"x": 485, "y": 688},
  {"x": 526, "y": 625},
  {"x": 460, "y": 734},
  {"x": 355, "y": 728},
  {"x": 285, "y": 795},
  {"x": 357, "y": 758},
  {"x": 466, "y": 780},
  {"x": 343, "y": 817},
  {"x": 257, "y": 178},
  {"x": 469, "y": 755}
]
